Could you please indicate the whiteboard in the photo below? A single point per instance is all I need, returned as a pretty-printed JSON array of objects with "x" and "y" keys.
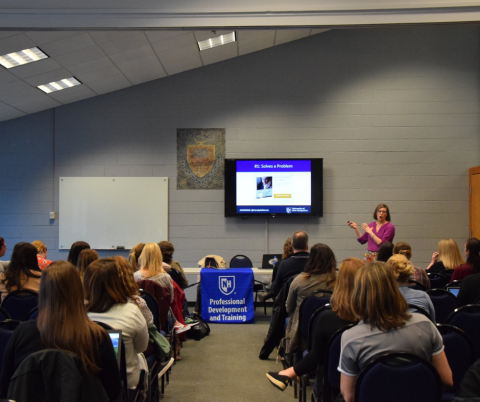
[{"x": 112, "y": 212}]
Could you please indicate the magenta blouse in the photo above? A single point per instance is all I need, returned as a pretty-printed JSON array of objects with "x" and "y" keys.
[{"x": 386, "y": 233}]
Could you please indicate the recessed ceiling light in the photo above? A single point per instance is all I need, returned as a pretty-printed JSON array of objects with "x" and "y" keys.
[
  {"x": 217, "y": 41},
  {"x": 22, "y": 57},
  {"x": 59, "y": 85}
]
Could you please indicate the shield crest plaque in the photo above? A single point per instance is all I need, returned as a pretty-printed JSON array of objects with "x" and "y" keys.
[{"x": 201, "y": 158}]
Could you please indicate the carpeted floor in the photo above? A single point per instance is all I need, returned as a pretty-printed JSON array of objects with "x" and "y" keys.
[{"x": 224, "y": 366}]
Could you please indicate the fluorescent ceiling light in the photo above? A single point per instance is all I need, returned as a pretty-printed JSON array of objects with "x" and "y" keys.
[
  {"x": 59, "y": 85},
  {"x": 22, "y": 57},
  {"x": 217, "y": 41}
]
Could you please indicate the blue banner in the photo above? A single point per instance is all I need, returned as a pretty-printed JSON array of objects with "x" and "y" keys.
[{"x": 227, "y": 295}]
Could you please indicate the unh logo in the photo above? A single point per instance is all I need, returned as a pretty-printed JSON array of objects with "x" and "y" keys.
[
  {"x": 226, "y": 284},
  {"x": 289, "y": 210}
]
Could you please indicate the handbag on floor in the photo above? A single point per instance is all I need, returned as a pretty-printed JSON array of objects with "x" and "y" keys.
[{"x": 200, "y": 330}]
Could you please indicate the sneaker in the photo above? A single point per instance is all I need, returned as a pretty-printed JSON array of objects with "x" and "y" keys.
[
  {"x": 190, "y": 321},
  {"x": 166, "y": 367},
  {"x": 278, "y": 381},
  {"x": 181, "y": 328}
]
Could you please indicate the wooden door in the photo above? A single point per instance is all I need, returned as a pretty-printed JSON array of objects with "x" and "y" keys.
[{"x": 474, "y": 200}]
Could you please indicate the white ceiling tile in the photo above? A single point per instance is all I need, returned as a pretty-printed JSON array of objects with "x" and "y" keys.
[
  {"x": 73, "y": 94},
  {"x": 256, "y": 43},
  {"x": 145, "y": 73},
  {"x": 34, "y": 104},
  {"x": 180, "y": 59},
  {"x": 98, "y": 74},
  {"x": 203, "y": 35},
  {"x": 90, "y": 66},
  {"x": 51, "y": 76},
  {"x": 13, "y": 87},
  {"x": 6, "y": 76},
  {"x": 289, "y": 35},
  {"x": 8, "y": 112},
  {"x": 80, "y": 56},
  {"x": 131, "y": 58},
  {"x": 109, "y": 84},
  {"x": 15, "y": 43},
  {"x": 219, "y": 53},
  {"x": 122, "y": 44},
  {"x": 4, "y": 34},
  {"x": 68, "y": 45},
  {"x": 108, "y": 36},
  {"x": 35, "y": 68},
  {"x": 154, "y": 36},
  {"x": 252, "y": 33},
  {"x": 42, "y": 37},
  {"x": 24, "y": 98},
  {"x": 174, "y": 42}
]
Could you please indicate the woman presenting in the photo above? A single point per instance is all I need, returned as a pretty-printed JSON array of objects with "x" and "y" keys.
[{"x": 376, "y": 232}]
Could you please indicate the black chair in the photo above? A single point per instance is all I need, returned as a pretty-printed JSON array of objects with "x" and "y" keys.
[
  {"x": 331, "y": 377},
  {"x": 416, "y": 309},
  {"x": 456, "y": 284},
  {"x": 444, "y": 303},
  {"x": 4, "y": 314},
  {"x": 437, "y": 281},
  {"x": 33, "y": 315},
  {"x": 242, "y": 261},
  {"x": 459, "y": 351},
  {"x": 19, "y": 303},
  {"x": 302, "y": 396},
  {"x": 398, "y": 377},
  {"x": 152, "y": 304},
  {"x": 176, "y": 276},
  {"x": 7, "y": 328},
  {"x": 467, "y": 318},
  {"x": 447, "y": 273},
  {"x": 416, "y": 285}
]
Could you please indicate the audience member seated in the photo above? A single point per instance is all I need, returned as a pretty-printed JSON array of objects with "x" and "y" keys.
[
  {"x": 472, "y": 266},
  {"x": 75, "y": 251},
  {"x": 151, "y": 268},
  {"x": 63, "y": 324},
  {"x": 293, "y": 265},
  {"x": 287, "y": 253},
  {"x": 108, "y": 303},
  {"x": 469, "y": 291},
  {"x": 134, "y": 257},
  {"x": 85, "y": 258},
  {"x": 22, "y": 272},
  {"x": 385, "y": 251},
  {"x": 3, "y": 249},
  {"x": 329, "y": 322},
  {"x": 402, "y": 270},
  {"x": 419, "y": 275},
  {"x": 167, "y": 252},
  {"x": 386, "y": 325},
  {"x": 449, "y": 254},
  {"x": 319, "y": 274},
  {"x": 41, "y": 254}
]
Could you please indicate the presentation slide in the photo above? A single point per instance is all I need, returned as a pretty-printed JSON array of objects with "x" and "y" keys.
[{"x": 274, "y": 186}]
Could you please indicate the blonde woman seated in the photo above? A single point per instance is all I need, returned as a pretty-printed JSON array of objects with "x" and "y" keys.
[
  {"x": 385, "y": 326},
  {"x": 151, "y": 268},
  {"x": 319, "y": 274},
  {"x": 449, "y": 254},
  {"x": 134, "y": 258},
  {"x": 403, "y": 269},
  {"x": 419, "y": 275},
  {"x": 329, "y": 322}
]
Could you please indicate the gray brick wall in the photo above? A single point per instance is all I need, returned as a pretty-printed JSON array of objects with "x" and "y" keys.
[{"x": 394, "y": 112}]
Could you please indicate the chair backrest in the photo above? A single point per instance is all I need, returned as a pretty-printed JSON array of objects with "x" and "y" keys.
[
  {"x": 33, "y": 314},
  {"x": 437, "y": 281},
  {"x": 4, "y": 314},
  {"x": 176, "y": 277},
  {"x": 152, "y": 305},
  {"x": 331, "y": 379},
  {"x": 313, "y": 322},
  {"x": 416, "y": 285},
  {"x": 240, "y": 261},
  {"x": 456, "y": 283},
  {"x": 416, "y": 309},
  {"x": 459, "y": 351},
  {"x": 467, "y": 318},
  {"x": 444, "y": 303},
  {"x": 7, "y": 329},
  {"x": 308, "y": 307},
  {"x": 161, "y": 295},
  {"x": 447, "y": 273},
  {"x": 19, "y": 303},
  {"x": 398, "y": 376}
]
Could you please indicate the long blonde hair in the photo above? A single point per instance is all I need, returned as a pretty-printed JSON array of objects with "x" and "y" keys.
[
  {"x": 450, "y": 253},
  {"x": 151, "y": 260}
]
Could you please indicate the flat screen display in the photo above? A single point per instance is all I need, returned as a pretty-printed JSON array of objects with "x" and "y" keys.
[{"x": 270, "y": 187}]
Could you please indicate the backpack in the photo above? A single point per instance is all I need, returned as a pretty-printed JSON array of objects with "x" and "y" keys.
[{"x": 200, "y": 330}]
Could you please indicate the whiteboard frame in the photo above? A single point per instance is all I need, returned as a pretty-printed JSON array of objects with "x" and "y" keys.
[{"x": 112, "y": 212}]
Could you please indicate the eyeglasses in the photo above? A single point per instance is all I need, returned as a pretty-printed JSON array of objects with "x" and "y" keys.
[{"x": 381, "y": 212}]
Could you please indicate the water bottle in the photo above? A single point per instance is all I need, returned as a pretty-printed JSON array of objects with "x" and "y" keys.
[{"x": 274, "y": 261}]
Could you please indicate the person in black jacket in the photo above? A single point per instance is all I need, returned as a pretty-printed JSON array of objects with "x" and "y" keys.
[{"x": 469, "y": 291}]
